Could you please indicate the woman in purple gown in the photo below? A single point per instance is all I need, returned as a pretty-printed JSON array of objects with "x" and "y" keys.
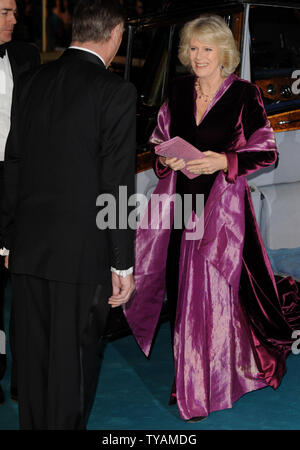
[{"x": 231, "y": 323}]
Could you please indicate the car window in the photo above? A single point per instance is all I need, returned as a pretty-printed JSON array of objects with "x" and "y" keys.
[
  {"x": 149, "y": 61},
  {"x": 275, "y": 55},
  {"x": 147, "y": 73}
]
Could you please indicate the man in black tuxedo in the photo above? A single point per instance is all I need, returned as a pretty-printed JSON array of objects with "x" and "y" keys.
[
  {"x": 72, "y": 139},
  {"x": 15, "y": 58}
]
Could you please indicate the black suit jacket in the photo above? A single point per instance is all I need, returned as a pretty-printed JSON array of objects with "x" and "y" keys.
[
  {"x": 22, "y": 57},
  {"x": 72, "y": 138}
]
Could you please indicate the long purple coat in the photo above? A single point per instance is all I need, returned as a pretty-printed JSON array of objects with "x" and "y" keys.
[{"x": 233, "y": 328}]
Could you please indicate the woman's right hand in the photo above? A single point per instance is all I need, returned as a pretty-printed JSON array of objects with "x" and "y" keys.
[{"x": 173, "y": 163}]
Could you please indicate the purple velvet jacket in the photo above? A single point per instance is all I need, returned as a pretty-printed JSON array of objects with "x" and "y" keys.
[{"x": 231, "y": 243}]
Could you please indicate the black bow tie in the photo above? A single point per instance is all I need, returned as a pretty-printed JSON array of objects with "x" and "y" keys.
[{"x": 2, "y": 50}]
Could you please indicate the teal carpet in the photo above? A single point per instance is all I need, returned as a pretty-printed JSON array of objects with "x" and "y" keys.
[
  {"x": 285, "y": 261},
  {"x": 133, "y": 394}
]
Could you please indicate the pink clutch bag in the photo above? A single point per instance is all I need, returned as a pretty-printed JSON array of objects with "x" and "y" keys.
[{"x": 181, "y": 149}]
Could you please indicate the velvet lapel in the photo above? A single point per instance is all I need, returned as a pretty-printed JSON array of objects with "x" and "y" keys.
[{"x": 222, "y": 89}]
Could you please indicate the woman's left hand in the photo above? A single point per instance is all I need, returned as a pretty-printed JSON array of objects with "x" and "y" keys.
[{"x": 210, "y": 164}]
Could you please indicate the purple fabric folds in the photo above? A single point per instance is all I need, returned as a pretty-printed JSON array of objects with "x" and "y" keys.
[
  {"x": 288, "y": 292},
  {"x": 214, "y": 361},
  {"x": 220, "y": 352},
  {"x": 143, "y": 310}
]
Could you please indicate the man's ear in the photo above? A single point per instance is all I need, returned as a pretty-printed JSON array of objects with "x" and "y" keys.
[{"x": 117, "y": 30}]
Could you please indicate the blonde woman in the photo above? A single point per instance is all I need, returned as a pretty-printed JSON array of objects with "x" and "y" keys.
[{"x": 230, "y": 336}]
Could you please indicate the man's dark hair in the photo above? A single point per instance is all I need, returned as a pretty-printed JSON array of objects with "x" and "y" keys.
[{"x": 93, "y": 20}]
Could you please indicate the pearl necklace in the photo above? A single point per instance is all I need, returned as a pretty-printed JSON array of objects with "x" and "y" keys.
[{"x": 200, "y": 93}]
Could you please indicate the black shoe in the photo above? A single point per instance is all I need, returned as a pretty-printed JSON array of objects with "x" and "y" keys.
[
  {"x": 2, "y": 398},
  {"x": 14, "y": 393}
]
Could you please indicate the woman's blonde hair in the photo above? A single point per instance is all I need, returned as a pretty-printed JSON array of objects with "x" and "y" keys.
[{"x": 210, "y": 29}]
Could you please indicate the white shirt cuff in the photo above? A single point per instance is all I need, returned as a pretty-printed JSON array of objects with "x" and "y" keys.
[
  {"x": 4, "y": 251},
  {"x": 122, "y": 273}
]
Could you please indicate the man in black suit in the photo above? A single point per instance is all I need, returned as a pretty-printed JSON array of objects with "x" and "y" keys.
[
  {"x": 15, "y": 58},
  {"x": 72, "y": 139}
]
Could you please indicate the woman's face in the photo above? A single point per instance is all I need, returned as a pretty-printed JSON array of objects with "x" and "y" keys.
[{"x": 205, "y": 59}]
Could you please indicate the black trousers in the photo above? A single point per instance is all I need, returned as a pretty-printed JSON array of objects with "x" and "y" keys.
[
  {"x": 4, "y": 276},
  {"x": 59, "y": 350},
  {"x": 3, "y": 281}
]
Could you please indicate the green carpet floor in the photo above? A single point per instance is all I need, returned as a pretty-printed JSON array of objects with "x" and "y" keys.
[{"x": 133, "y": 394}]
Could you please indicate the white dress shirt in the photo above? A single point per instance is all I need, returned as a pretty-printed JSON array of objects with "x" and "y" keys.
[{"x": 6, "y": 88}]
